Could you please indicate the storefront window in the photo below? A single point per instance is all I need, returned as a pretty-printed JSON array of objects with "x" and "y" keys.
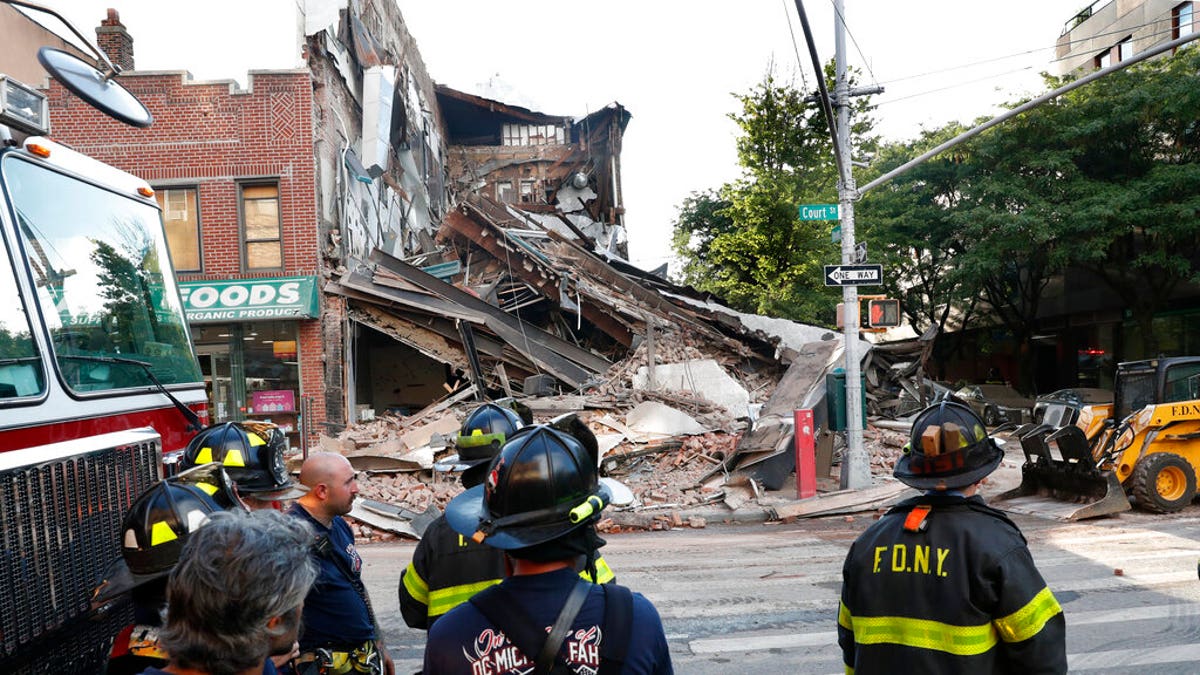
[{"x": 253, "y": 372}]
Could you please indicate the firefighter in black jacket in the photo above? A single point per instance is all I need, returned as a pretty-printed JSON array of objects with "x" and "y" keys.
[
  {"x": 943, "y": 583},
  {"x": 448, "y": 568}
]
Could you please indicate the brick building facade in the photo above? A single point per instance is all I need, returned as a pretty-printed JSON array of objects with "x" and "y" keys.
[{"x": 234, "y": 172}]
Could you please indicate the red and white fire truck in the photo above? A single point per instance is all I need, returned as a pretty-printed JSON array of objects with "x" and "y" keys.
[{"x": 98, "y": 376}]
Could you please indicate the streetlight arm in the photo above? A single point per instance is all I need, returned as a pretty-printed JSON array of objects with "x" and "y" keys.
[{"x": 1005, "y": 116}]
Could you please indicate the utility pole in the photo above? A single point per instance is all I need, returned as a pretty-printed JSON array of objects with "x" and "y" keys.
[{"x": 856, "y": 465}]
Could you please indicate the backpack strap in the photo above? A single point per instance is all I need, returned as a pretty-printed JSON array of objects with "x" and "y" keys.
[
  {"x": 618, "y": 628},
  {"x": 502, "y": 608}
]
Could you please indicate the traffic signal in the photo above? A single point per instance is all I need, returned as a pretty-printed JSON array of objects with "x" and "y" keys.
[{"x": 883, "y": 313}]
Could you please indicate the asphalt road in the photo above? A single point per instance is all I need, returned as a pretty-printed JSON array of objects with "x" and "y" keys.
[{"x": 763, "y": 598}]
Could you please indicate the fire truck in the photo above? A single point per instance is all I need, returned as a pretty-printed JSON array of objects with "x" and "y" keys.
[{"x": 98, "y": 375}]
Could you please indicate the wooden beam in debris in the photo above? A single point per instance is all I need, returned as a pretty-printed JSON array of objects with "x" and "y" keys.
[
  {"x": 469, "y": 226},
  {"x": 566, "y": 361},
  {"x": 645, "y": 297}
]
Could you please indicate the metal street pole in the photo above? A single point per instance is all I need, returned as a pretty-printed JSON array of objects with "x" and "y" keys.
[{"x": 856, "y": 465}]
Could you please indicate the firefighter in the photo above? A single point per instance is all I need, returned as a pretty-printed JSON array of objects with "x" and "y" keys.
[
  {"x": 252, "y": 454},
  {"x": 448, "y": 568},
  {"x": 154, "y": 531},
  {"x": 539, "y": 504},
  {"x": 235, "y": 596},
  {"x": 943, "y": 583}
]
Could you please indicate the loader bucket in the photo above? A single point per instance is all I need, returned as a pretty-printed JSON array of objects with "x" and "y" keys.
[{"x": 1071, "y": 488}]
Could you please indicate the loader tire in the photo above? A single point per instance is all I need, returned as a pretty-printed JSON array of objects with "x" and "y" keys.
[
  {"x": 990, "y": 417},
  {"x": 1163, "y": 482}
]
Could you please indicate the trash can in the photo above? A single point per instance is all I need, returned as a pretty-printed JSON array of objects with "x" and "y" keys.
[{"x": 835, "y": 398}]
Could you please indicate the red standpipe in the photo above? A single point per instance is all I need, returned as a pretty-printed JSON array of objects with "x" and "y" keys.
[{"x": 806, "y": 458}]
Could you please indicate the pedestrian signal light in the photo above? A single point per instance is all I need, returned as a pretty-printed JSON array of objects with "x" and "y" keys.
[{"x": 883, "y": 313}]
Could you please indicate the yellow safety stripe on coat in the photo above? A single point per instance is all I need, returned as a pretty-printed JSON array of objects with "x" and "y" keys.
[
  {"x": 845, "y": 619},
  {"x": 442, "y": 600},
  {"x": 604, "y": 573},
  {"x": 924, "y": 634},
  {"x": 1029, "y": 620},
  {"x": 415, "y": 585}
]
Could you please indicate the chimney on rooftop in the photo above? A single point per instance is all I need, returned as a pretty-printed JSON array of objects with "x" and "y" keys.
[{"x": 116, "y": 42}]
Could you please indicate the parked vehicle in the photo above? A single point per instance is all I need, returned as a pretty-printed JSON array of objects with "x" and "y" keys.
[
  {"x": 997, "y": 403},
  {"x": 1061, "y": 408},
  {"x": 1145, "y": 445},
  {"x": 98, "y": 375}
]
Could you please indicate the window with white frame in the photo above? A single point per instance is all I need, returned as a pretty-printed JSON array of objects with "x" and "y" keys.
[
  {"x": 530, "y": 134},
  {"x": 1125, "y": 49}
]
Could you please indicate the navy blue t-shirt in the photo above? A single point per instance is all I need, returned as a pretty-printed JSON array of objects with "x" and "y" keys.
[
  {"x": 334, "y": 613},
  {"x": 464, "y": 641}
]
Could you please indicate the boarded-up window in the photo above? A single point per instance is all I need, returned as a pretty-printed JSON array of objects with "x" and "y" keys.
[
  {"x": 181, "y": 220},
  {"x": 504, "y": 192},
  {"x": 261, "y": 227}
]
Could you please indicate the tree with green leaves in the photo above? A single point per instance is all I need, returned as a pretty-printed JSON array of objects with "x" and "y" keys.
[{"x": 744, "y": 242}]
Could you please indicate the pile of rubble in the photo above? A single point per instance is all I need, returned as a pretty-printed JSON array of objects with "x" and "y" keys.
[{"x": 664, "y": 438}]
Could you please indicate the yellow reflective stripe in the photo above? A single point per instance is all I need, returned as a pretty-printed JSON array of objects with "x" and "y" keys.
[
  {"x": 208, "y": 488},
  {"x": 255, "y": 440},
  {"x": 604, "y": 573},
  {"x": 924, "y": 634},
  {"x": 204, "y": 456},
  {"x": 415, "y": 585},
  {"x": 161, "y": 533},
  {"x": 234, "y": 458},
  {"x": 1029, "y": 620},
  {"x": 849, "y": 670},
  {"x": 442, "y": 600},
  {"x": 845, "y": 619}
]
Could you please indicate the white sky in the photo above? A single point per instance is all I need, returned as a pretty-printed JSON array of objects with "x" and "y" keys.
[{"x": 674, "y": 64}]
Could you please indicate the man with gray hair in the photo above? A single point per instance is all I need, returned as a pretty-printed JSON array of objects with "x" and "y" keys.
[{"x": 237, "y": 593}]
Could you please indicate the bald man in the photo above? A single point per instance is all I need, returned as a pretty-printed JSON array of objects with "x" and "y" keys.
[{"x": 340, "y": 634}]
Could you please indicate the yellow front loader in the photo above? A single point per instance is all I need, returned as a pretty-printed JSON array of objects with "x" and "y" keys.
[{"x": 1144, "y": 446}]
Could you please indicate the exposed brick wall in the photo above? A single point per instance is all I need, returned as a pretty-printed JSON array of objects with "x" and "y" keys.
[{"x": 212, "y": 136}]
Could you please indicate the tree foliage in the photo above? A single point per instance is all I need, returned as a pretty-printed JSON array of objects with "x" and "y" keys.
[
  {"x": 1100, "y": 182},
  {"x": 743, "y": 241}
]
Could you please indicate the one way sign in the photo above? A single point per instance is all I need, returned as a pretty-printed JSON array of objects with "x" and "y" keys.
[{"x": 853, "y": 275}]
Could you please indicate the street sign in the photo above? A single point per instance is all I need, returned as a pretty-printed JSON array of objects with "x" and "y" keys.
[
  {"x": 819, "y": 212},
  {"x": 836, "y": 234},
  {"x": 853, "y": 275}
]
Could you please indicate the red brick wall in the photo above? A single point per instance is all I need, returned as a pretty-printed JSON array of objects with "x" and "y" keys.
[{"x": 211, "y": 137}]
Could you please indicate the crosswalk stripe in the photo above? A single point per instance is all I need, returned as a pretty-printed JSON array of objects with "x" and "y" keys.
[
  {"x": 1133, "y": 657},
  {"x": 753, "y": 643}
]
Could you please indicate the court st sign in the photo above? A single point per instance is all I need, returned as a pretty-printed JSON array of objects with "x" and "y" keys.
[
  {"x": 854, "y": 275},
  {"x": 249, "y": 299},
  {"x": 819, "y": 212}
]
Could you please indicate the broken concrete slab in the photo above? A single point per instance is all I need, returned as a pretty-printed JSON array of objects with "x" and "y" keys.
[
  {"x": 846, "y": 501},
  {"x": 703, "y": 377},
  {"x": 446, "y": 425},
  {"x": 661, "y": 420}
]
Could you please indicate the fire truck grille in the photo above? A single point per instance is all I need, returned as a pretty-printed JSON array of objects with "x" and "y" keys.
[{"x": 60, "y": 525}]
